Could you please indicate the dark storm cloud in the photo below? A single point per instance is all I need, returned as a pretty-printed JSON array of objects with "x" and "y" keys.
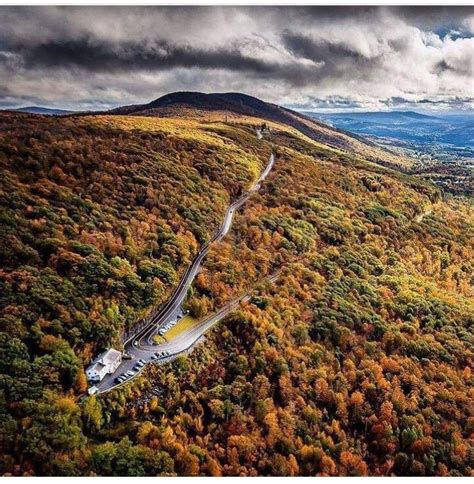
[
  {"x": 333, "y": 102},
  {"x": 442, "y": 66},
  {"x": 439, "y": 19},
  {"x": 335, "y": 58},
  {"x": 301, "y": 56},
  {"x": 103, "y": 56},
  {"x": 456, "y": 101},
  {"x": 318, "y": 50},
  {"x": 99, "y": 56},
  {"x": 464, "y": 69}
]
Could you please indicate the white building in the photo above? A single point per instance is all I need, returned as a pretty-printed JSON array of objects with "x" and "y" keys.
[
  {"x": 93, "y": 390},
  {"x": 107, "y": 363}
]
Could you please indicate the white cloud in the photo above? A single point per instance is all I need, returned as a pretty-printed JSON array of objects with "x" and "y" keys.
[{"x": 82, "y": 57}]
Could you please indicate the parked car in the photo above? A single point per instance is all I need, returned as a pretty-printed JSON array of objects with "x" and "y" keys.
[{"x": 129, "y": 373}]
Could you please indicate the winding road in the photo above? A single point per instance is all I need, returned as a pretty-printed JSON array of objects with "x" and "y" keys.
[{"x": 140, "y": 345}]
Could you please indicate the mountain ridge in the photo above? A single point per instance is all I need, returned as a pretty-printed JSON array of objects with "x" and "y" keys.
[
  {"x": 375, "y": 114},
  {"x": 246, "y": 105},
  {"x": 42, "y": 110}
]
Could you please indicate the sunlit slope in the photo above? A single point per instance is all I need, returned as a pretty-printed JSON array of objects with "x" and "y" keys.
[{"x": 195, "y": 104}]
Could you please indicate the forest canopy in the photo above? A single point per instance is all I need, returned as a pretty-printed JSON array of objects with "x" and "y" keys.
[{"x": 356, "y": 361}]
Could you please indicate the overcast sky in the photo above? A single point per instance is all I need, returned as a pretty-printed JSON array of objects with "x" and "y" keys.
[{"x": 313, "y": 58}]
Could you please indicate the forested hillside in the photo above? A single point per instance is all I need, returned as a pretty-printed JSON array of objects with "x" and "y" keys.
[
  {"x": 100, "y": 216},
  {"x": 356, "y": 361},
  {"x": 192, "y": 104}
]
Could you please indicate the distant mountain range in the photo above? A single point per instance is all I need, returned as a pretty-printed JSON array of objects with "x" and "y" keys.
[
  {"x": 405, "y": 126},
  {"x": 42, "y": 110},
  {"x": 381, "y": 116}
]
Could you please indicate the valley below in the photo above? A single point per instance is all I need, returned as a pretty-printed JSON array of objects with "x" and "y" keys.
[{"x": 441, "y": 146}]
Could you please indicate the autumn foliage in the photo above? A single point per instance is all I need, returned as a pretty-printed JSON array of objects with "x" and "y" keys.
[{"x": 356, "y": 361}]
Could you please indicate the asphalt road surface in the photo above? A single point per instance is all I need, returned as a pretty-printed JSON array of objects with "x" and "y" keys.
[{"x": 140, "y": 345}]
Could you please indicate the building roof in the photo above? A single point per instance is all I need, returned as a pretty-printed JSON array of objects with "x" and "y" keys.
[
  {"x": 97, "y": 366},
  {"x": 110, "y": 356}
]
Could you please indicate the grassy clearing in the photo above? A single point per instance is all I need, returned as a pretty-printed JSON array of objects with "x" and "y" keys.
[
  {"x": 186, "y": 323},
  {"x": 158, "y": 339}
]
